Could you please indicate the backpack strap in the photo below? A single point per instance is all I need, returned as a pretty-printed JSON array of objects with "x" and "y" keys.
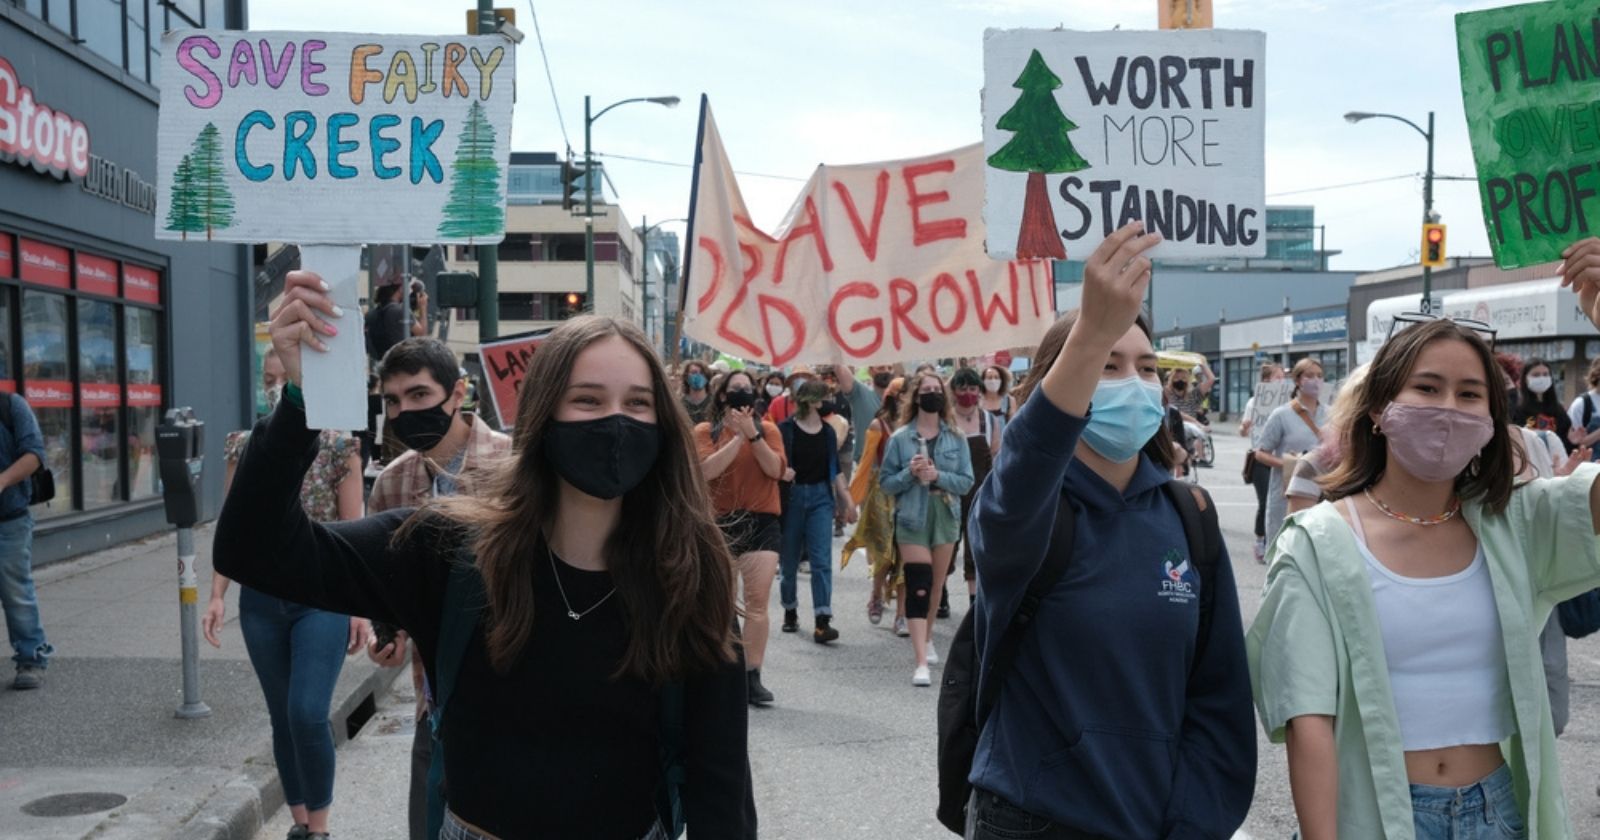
[
  {"x": 1056, "y": 558},
  {"x": 1205, "y": 549},
  {"x": 463, "y": 601},
  {"x": 1588, "y": 409}
]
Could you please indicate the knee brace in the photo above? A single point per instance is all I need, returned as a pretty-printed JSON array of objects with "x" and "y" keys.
[{"x": 919, "y": 589}]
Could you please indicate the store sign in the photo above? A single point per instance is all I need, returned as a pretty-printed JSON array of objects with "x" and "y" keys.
[
  {"x": 97, "y": 275},
  {"x": 32, "y": 134},
  {"x": 100, "y": 395},
  {"x": 140, "y": 284},
  {"x": 144, "y": 396},
  {"x": 7, "y": 256},
  {"x": 48, "y": 393},
  {"x": 113, "y": 182},
  {"x": 1174, "y": 342},
  {"x": 46, "y": 265},
  {"x": 1323, "y": 325},
  {"x": 1534, "y": 309}
]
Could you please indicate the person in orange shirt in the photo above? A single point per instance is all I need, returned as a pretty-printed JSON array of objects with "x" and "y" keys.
[{"x": 743, "y": 459}]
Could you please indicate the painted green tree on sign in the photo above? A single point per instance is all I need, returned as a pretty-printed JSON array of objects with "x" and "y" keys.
[
  {"x": 474, "y": 206},
  {"x": 181, "y": 213},
  {"x": 1039, "y": 145},
  {"x": 200, "y": 199}
]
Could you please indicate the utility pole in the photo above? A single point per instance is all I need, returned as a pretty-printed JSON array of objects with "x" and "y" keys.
[
  {"x": 489, "y": 254},
  {"x": 1427, "y": 216},
  {"x": 588, "y": 206}
]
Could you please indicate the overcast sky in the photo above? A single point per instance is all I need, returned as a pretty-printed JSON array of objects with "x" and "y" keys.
[{"x": 797, "y": 84}]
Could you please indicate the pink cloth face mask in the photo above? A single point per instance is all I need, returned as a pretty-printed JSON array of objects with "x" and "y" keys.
[{"x": 1434, "y": 443}]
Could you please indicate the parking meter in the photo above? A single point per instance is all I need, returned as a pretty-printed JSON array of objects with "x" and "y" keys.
[{"x": 180, "y": 444}]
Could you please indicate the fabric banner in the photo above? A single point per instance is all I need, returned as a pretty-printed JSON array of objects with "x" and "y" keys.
[
  {"x": 1526, "y": 82},
  {"x": 505, "y": 363},
  {"x": 332, "y": 137},
  {"x": 875, "y": 263},
  {"x": 1087, "y": 131}
]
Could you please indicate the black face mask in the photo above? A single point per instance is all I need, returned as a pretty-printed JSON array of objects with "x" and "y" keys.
[
  {"x": 604, "y": 458},
  {"x": 422, "y": 429},
  {"x": 1180, "y": 386},
  {"x": 931, "y": 402},
  {"x": 740, "y": 399},
  {"x": 882, "y": 380}
]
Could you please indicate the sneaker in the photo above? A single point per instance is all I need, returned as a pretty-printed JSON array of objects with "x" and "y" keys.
[
  {"x": 299, "y": 832},
  {"x": 900, "y": 628},
  {"x": 944, "y": 610},
  {"x": 875, "y": 611},
  {"x": 933, "y": 655},
  {"x": 921, "y": 676},
  {"x": 759, "y": 695},
  {"x": 1261, "y": 550},
  {"x": 824, "y": 632},
  {"x": 28, "y": 678},
  {"x": 805, "y": 567},
  {"x": 838, "y": 529},
  {"x": 791, "y": 621}
]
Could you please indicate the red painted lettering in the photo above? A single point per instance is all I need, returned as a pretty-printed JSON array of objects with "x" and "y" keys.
[
  {"x": 861, "y": 289},
  {"x": 797, "y": 324},
  {"x": 718, "y": 268},
  {"x": 997, "y": 303},
  {"x": 924, "y": 232},
  {"x": 812, "y": 227},
  {"x": 1033, "y": 286},
  {"x": 867, "y": 237},
  {"x": 946, "y": 283},
  {"x": 902, "y": 299}
]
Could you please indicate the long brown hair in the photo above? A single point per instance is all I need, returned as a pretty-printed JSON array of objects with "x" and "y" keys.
[
  {"x": 1159, "y": 447},
  {"x": 669, "y": 563},
  {"x": 1490, "y": 478},
  {"x": 908, "y": 400}
]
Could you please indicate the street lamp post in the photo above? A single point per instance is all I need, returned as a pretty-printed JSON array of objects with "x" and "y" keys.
[
  {"x": 644, "y": 249},
  {"x": 588, "y": 182},
  {"x": 1427, "y": 188}
]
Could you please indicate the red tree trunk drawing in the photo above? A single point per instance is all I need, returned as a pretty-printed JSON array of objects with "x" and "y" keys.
[{"x": 1037, "y": 237}]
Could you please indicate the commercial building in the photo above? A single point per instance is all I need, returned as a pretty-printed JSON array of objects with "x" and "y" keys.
[{"x": 102, "y": 327}]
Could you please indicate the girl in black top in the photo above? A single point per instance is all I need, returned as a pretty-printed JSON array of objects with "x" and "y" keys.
[
  {"x": 1535, "y": 405},
  {"x": 552, "y": 729}
]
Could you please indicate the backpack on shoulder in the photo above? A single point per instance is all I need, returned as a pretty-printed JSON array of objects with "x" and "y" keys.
[
  {"x": 42, "y": 484},
  {"x": 963, "y": 709}
]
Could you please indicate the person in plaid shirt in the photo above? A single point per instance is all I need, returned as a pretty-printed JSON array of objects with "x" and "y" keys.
[{"x": 422, "y": 391}]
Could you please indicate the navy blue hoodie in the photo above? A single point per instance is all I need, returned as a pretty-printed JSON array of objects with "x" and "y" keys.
[{"x": 1107, "y": 724}]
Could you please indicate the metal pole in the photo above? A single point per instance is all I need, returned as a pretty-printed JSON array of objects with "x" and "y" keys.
[
  {"x": 1427, "y": 216},
  {"x": 488, "y": 255},
  {"x": 189, "y": 622},
  {"x": 644, "y": 268},
  {"x": 588, "y": 208}
]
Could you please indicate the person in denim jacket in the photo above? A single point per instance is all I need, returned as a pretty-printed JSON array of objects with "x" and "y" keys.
[{"x": 928, "y": 468}]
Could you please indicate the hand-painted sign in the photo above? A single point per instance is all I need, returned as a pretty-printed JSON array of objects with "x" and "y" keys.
[
  {"x": 1527, "y": 83},
  {"x": 33, "y": 134},
  {"x": 333, "y": 137},
  {"x": 1172, "y": 133},
  {"x": 876, "y": 263},
  {"x": 1268, "y": 396},
  {"x": 505, "y": 363}
]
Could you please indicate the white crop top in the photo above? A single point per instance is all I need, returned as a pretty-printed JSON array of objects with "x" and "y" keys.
[{"x": 1445, "y": 652}]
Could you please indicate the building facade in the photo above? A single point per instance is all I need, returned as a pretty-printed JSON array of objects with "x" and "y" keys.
[{"x": 102, "y": 327}]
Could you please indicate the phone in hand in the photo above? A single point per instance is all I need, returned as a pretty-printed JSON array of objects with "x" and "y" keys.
[{"x": 384, "y": 634}]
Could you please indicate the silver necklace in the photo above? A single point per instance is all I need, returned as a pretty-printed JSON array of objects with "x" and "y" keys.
[{"x": 572, "y": 613}]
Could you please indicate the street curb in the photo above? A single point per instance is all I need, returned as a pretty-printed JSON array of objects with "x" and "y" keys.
[{"x": 238, "y": 807}]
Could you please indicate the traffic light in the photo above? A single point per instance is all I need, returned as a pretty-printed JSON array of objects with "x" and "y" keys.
[
  {"x": 1433, "y": 245},
  {"x": 572, "y": 304},
  {"x": 455, "y": 290},
  {"x": 571, "y": 184}
]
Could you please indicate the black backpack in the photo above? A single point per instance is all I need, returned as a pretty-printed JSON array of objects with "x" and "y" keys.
[
  {"x": 42, "y": 484},
  {"x": 962, "y": 710}
]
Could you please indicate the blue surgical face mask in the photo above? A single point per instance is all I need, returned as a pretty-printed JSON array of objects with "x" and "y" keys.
[{"x": 1123, "y": 417}]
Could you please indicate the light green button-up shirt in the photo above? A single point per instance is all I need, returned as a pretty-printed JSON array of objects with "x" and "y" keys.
[{"x": 1315, "y": 648}]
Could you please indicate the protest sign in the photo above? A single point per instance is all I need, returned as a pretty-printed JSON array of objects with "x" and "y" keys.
[
  {"x": 1087, "y": 131},
  {"x": 505, "y": 363},
  {"x": 875, "y": 263},
  {"x": 1526, "y": 77},
  {"x": 1269, "y": 395},
  {"x": 330, "y": 140}
]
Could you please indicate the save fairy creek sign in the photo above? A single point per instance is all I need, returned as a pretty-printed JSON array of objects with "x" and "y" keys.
[
  {"x": 333, "y": 137},
  {"x": 876, "y": 263},
  {"x": 1087, "y": 131},
  {"x": 1527, "y": 82}
]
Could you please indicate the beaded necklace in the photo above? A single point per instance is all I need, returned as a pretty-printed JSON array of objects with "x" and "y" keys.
[{"x": 1440, "y": 519}]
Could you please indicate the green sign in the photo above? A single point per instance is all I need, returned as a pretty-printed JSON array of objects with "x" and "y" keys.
[{"x": 1528, "y": 82}]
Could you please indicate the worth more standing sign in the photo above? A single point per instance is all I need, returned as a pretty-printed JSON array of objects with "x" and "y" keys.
[
  {"x": 1084, "y": 132},
  {"x": 320, "y": 137}
]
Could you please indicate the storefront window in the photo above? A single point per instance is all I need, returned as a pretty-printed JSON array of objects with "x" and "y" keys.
[
  {"x": 100, "y": 401},
  {"x": 144, "y": 401},
  {"x": 1239, "y": 379},
  {"x": 48, "y": 386}
]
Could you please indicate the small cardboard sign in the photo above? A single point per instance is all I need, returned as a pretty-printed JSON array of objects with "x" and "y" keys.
[
  {"x": 1269, "y": 396},
  {"x": 1084, "y": 132},
  {"x": 333, "y": 137},
  {"x": 1527, "y": 83},
  {"x": 505, "y": 363}
]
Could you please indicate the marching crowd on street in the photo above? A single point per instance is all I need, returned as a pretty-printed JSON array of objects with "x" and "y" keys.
[{"x": 585, "y": 601}]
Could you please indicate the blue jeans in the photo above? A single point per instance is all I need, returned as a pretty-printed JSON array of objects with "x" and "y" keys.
[
  {"x": 808, "y": 526},
  {"x": 17, "y": 597},
  {"x": 1483, "y": 811},
  {"x": 297, "y": 653}
]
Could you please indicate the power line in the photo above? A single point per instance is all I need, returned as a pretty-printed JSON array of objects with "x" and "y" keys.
[
  {"x": 690, "y": 165},
  {"x": 538, "y": 36},
  {"x": 1344, "y": 185}
]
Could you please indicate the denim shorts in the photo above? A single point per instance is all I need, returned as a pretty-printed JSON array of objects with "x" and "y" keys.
[
  {"x": 455, "y": 829},
  {"x": 1486, "y": 810},
  {"x": 939, "y": 526}
]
